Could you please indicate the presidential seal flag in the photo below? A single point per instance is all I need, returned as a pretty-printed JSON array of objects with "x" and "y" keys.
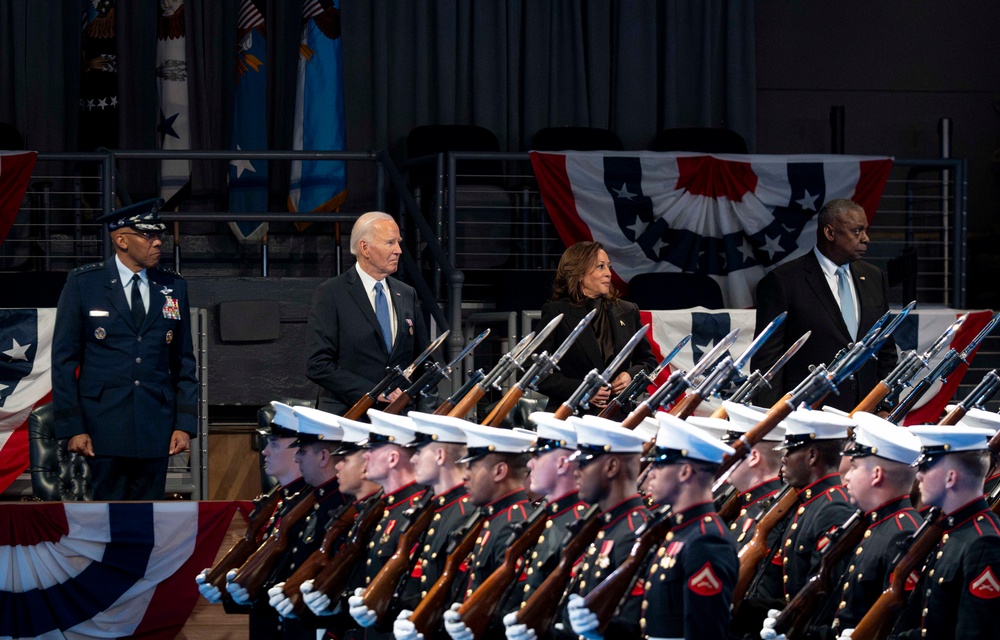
[
  {"x": 731, "y": 217},
  {"x": 25, "y": 382}
]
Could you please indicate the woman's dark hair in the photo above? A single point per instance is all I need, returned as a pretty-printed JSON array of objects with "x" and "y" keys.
[{"x": 575, "y": 262}]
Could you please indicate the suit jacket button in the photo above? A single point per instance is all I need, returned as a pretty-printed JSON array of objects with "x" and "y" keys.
[
  {"x": 138, "y": 338},
  {"x": 137, "y": 383}
]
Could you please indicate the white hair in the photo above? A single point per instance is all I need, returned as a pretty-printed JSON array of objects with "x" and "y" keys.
[{"x": 364, "y": 228}]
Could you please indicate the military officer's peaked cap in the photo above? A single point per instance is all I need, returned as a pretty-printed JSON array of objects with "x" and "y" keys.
[
  {"x": 389, "y": 428},
  {"x": 803, "y": 426},
  {"x": 936, "y": 440},
  {"x": 550, "y": 433},
  {"x": 483, "y": 441},
  {"x": 678, "y": 440},
  {"x": 284, "y": 424},
  {"x": 142, "y": 216},
  {"x": 355, "y": 435},
  {"x": 744, "y": 417},
  {"x": 432, "y": 428},
  {"x": 982, "y": 419},
  {"x": 716, "y": 427},
  {"x": 595, "y": 436},
  {"x": 878, "y": 437},
  {"x": 316, "y": 426}
]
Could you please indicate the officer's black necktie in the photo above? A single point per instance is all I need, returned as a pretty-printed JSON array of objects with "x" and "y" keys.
[{"x": 138, "y": 310}]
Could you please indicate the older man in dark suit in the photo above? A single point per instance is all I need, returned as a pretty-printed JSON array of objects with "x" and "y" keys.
[
  {"x": 363, "y": 321},
  {"x": 833, "y": 293},
  {"x": 123, "y": 323}
]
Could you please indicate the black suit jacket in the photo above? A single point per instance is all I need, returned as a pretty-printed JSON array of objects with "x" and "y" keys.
[
  {"x": 800, "y": 288},
  {"x": 585, "y": 354},
  {"x": 347, "y": 356}
]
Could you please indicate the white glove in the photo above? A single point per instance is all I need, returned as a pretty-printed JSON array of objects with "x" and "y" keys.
[
  {"x": 517, "y": 631},
  {"x": 583, "y": 620},
  {"x": 768, "y": 632},
  {"x": 359, "y": 611},
  {"x": 282, "y": 604},
  {"x": 403, "y": 629},
  {"x": 317, "y": 601},
  {"x": 209, "y": 591},
  {"x": 846, "y": 634},
  {"x": 453, "y": 624},
  {"x": 240, "y": 595}
]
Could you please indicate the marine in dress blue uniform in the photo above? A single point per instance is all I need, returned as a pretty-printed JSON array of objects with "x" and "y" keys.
[{"x": 135, "y": 400}]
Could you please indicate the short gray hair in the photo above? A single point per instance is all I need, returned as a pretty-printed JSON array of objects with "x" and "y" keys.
[
  {"x": 834, "y": 209},
  {"x": 364, "y": 228}
]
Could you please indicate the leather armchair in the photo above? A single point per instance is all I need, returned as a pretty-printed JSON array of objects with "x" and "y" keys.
[{"x": 56, "y": 474}]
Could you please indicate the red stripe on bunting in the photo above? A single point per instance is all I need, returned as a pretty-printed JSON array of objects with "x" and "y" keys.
[
  {"x": 33, "y": 524},
  {"x": 175, "y": 597},
  {"x": 871, "y": 183},
  {"x": 714, "y": 178},
  {"x": 557, "y": 195}
]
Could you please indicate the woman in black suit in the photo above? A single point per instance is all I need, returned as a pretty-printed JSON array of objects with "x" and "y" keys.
[{"x": 582, "y": 283}]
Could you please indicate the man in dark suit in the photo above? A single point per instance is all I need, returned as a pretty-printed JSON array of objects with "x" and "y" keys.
[
  {"x": 124, "y": 324},
  {"x": 811, "y": 289},
  {"x": 363, "y": 321}
]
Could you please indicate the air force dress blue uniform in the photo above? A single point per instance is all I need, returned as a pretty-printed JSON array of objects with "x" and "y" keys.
[{"x": 137, "y": 384}]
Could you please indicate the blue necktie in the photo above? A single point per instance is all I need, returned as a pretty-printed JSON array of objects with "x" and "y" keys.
[
  {"x": 138, "y": 310},
  {"x": 382, "y": 313},
  {"x": 847, "y": 300}
]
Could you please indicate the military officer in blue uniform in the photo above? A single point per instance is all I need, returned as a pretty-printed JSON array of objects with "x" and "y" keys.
[{"x": 123, "y": 323}]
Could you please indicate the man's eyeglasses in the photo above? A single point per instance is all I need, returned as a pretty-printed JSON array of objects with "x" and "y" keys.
[{"x": 148, "y": 235}]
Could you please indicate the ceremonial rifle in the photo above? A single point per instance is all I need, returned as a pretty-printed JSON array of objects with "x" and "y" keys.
[
  {"x": 756, "y": 381},
  {"x": 541, "y": 608},
  {"x": 881, "y": 617},
  {"x": 726, "y": 372},
  {"x": 264, "y": 507},
  {"x": 678, "y": 382},
  {"x": 727, "y": 503},
  {"x": 507, "y": 364},
  {"x": 944, "y": 368},
  {"x": 754, "y": 551},
  {"x": 380, "y": 593},
  {"x": 639, "y": 383},
  {"x": 261, "y": 563},
  {"x": 843, "y": 541},
  {"x": 595, "y": 379},
  {"x": 605, "y": 598},
  {"x": 427, "y": 616},
  {"x": 812, "y": 391},
  {"x": 542, "y": 367},
  {"x": 332, "y": 579},
  {"x": 479, "y": 607},
  {"x": 431, "y": 376},
  {"x": 393, "y": 378},
  {"x": 448, "y": 405},
  {"x": 979, "y": 396},
  {"x": 907, "y": 368}
]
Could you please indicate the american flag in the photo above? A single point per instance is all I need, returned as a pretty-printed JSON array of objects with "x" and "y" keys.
[{"x": 731, "y": 217}]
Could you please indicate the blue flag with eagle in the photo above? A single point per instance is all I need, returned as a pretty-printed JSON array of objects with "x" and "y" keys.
[
  {"x": 319, "y": 111},
  {"x": 248, "y": 178}
]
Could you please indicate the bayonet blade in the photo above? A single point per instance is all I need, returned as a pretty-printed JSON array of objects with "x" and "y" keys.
[
  {"x": 786, "y": 356},
  {"x": 624, "y": 353},
  {"x": 944, "y": 339},
  {"x": 670, "y": 356},
  {"x": 466, "y": 351},
  {"x": 423, "y": 356},
  {"x": 979, "y": 338},
  {"x": 571, "y": 338},
  {"x": 708, "y": 359},
  {"x": 759, "y": 341},
  {"x": 539, "y": 339}
]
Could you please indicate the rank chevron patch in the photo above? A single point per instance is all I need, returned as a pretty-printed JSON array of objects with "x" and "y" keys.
[
  {"x": 705, "y": 582},
  {"x": 985, "y": 585}
]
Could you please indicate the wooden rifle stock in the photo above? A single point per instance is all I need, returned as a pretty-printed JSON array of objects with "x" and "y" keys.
[
  {"x": 479, "y": 607},
  {"x": 427, "y": 616},
  {"x": 686, "y": 406},
  {"x": 952, "y": 417},
  {"x": 381, "y": 590},
  {"x": 603, "y": 600},
  {"x": 612, "y": 410},
  {"x": 794, "y": 618},
  {"x": 246, "y": 545},
  {"x": 720, "y": 413},
  {"x": 341, "y": 522},
  {"x": 259, "y": 566},
  {"x": 360, "y": 408},
  {"x": 754, "y": 551},
  {"x": 880, "y": 619},
  {"x": 755, "y": 434},
  {"x": 398, "y": 404},
  {"x": 508, "y": 402},
  {"x": 332, "y": 579},
  {"x": 875, "y": 396},
  {"x": 444, "y": 408},
  {"x": 727, "y": 503},
  {"x": 468, "y": 403},
  {"x": 564, "y": 411},
  {"x": 542, "y": 607}
]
